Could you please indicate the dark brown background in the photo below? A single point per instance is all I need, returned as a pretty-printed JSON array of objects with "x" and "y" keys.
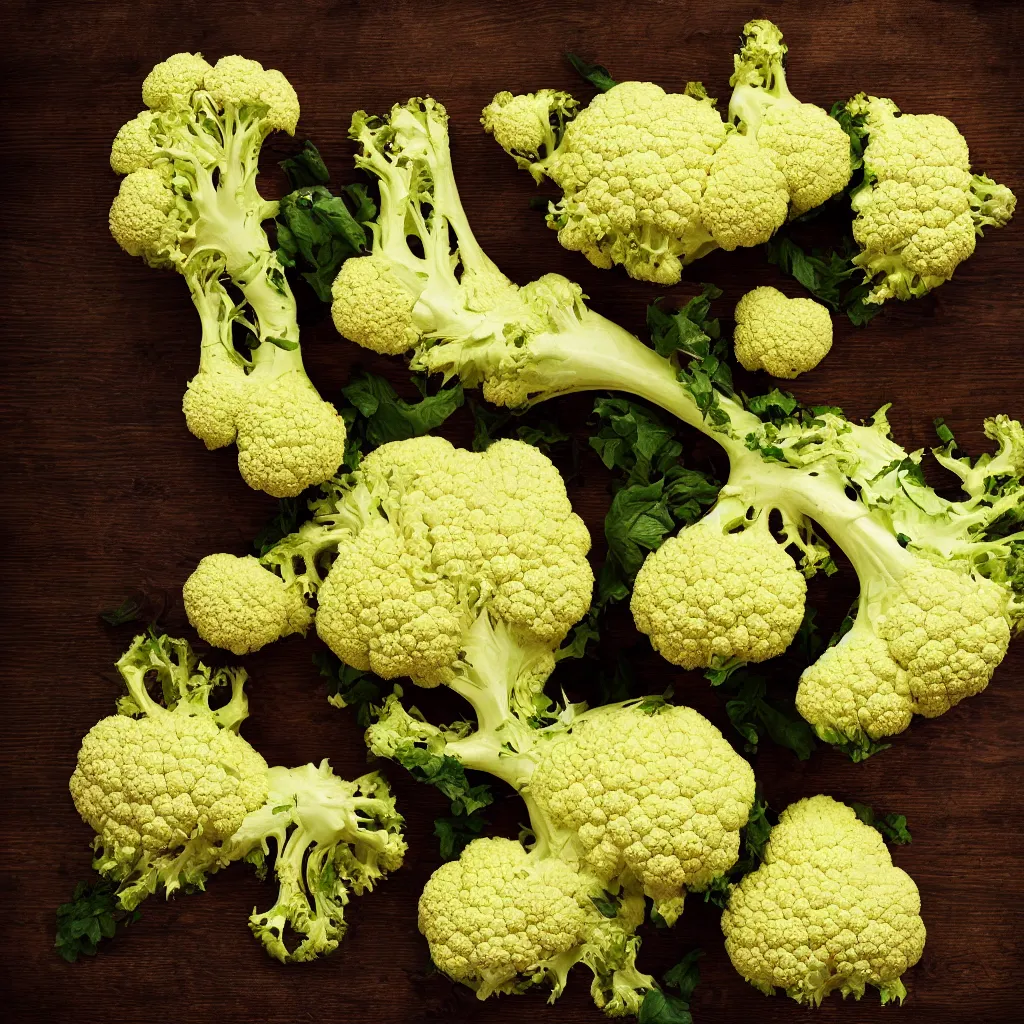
[{"x": 106, "y": 490}]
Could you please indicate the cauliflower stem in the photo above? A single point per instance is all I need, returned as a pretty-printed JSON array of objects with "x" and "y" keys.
[{"x": 174, "y": 795}]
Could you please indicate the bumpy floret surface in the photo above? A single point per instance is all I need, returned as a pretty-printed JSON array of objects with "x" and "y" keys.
[
  {"x": 663, "y": 795},
  {"x": 171, "y": 83},
  {"x": 371, "y": 307},
  {"x": 211, "y": 405},
  {"x": 705, "y": 596},
  {"x": 784, "y": 336}
]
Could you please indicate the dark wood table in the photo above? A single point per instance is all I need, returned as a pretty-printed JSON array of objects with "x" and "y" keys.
[{"x": 105, "y": 490}]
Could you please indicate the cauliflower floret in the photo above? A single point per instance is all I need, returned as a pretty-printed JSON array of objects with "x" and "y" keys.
[
  {"x": 948, "y": 630},
  {"x": 211, "y": 405},
  {"x": 496, "y": 913},
  {"x": 144, "y": 218},
  {"x": 240, "y": 82},
  {"x": 855, "y": 689},
  {"x": 237, "y": 604},
  {"x": 745, "y": 200},
  {"x": 826, "y": 910},
  {"x": 171, "y": 83},
  {"x": 498, "y": 522},
  {"x": 633, "y": 166},
  {"x": 662, "y": 795},
  {"x": 525, "y": 126},
  {"x": 133, "y": 146},
  {"x": 706, "y": 596},
  {"x": 146, "y": 785},
  {"x": 917, "y": 213},
  {"x": 288, "y": 437},
  {"x": 784, "y": 336},
  {"x": 371, "y": 306}
]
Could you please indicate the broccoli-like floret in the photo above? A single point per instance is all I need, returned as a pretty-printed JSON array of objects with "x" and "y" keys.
[
  {"x": 174, "y": 794},
  {"x": 784, "y": 336},
  {"x": 189, "y": 201},
  {"x": 807, "y": 146},
  {"x": 827, "y": 910},
  {"x": 920, "y": 208}
]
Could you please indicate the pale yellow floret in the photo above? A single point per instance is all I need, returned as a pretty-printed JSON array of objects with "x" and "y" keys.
[
  {"x": 663, "y": 795},
  {"x": 784, "y": 336},
  {"x": 133, "y": 146},
  {"x": 745, "y": 201},
  {"x": 371, "y": 306},
  {"x": 211, "y": 405},
  {"x": 171, "y": 83},
  {"x": 949, "y": 630},
  {"x": 143, "y": 217},
  {"x": 288, "y": 437},
  {"x": 237, "y": 604},
  {"x": 456, "y": 526},
  {"x": 826, "y": 911},
  {"x": 521, "y": 125},
  {"x": 706, "y": 596},
  {"x": 240, "y": 82}
]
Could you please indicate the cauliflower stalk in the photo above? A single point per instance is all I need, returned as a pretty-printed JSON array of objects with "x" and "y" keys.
[
  {"x": 919, "y": 209},
  {"x": 826, "y": 911},
  {"x": 785, "y": 337},
  {"x": 458, "y": 315},
  {"x": 654, "y": 180},
  {"x": 174, "y": 794},
  {"x": 189, "y": 202}
]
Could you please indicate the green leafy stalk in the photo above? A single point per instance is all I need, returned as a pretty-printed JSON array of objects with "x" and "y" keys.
[
  {"x": 597, "y": 75},
  {"x": 93, "y": 914}
]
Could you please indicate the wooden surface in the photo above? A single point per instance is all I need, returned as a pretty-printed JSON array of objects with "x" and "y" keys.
[{"x": 105, "y": 490}]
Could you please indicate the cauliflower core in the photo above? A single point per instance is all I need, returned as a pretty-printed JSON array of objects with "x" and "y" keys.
[
  {"x": 706, "y": 596},
  {"x": 663, "y": 795},
  {"x": 456, "y": 528},
  {"x": 784, "y": 336},
  {"x": 826, "y": 910}
]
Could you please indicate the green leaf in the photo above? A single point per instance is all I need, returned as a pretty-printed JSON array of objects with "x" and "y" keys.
[
  {"x": 306, "y": 167},
  {"x": 616, "y": 684},
  {"x": 94, "y": 913},
  {"x": 349, "y": 687},
  {"x": 386, "y": 417},
  {"x": 809, "y": 641},
  {"x": 685, "y": 975},
  {"x": 637, "y": 522},
  {"x": 892, "y": 827},
  {"x": 607, "y": 904},
  {"x": 131, "y": 609},
  {"x": 457, "y": 832},
  {"x": 754, "y": 713},
  {"x": 582, "y": 636},
  {"x": 446, "y": 774},
  {"x": 597, "y": 75},
  {"x": 663, "y": 1008},
  {"x": 291, "y": 514}
]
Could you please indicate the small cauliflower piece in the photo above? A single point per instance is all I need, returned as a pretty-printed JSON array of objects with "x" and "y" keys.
[
  {"x": 707, "y": 596},
  {"x": 371, "y": 306},
  {"x": 948, "y": 630},
  {"x": 920, "y": 208},
  {"x": 785, "y": 337},
  {"x": 660, "y": 794},
  {"x": 528, "y": 126},
  {"x": 174, "y": 794},
  {"x": 826, "y": 910}
]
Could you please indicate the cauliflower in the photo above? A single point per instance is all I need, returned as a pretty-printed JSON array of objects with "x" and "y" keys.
[
  {"x": 920, "y": 207},
  {"x": 654, "y": 180},
  {"x": 786, "y": 337},
  {"x": 826, "y": 910},
  {"x": 189, "y": 202},
  {"x": 174, "y": 794},
  {"x": 812, "y": 468},
  {"x": 808, "y": 147},
  {"x": 709, "y": 596},
  {"x": 425, "y": 537}
]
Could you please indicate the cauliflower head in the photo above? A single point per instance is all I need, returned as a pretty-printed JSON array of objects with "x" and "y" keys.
[
  {"x": 372, "y": 307},
  {"x": 785, "y": 337},
  {"x": 826, "y": 910},
  {"x": 239, "y": 605},
  {"x": 455, "y": 531},
  {"x": 917, "y": 214},
  {"x": 660, "y": 794},
  {"x": 707, "y": 596}
]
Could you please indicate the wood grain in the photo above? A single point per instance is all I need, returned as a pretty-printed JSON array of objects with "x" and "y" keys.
[{"x": 105, "y": 489}]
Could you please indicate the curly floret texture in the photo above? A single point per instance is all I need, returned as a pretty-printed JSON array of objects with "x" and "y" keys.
[
  {"x": 785, "y": 337},
  {"x": 240, "y": 82},
  {"x": 152, "y": 784},
  {"x": 171, "y": 83},
  {"x": 496, "y": 524},
  {"x": 497, "y": 913},
  {"x": 237, "y": 604},
  {"x": 371, "y": 306},
  {"x": 826, "y": 910},
  {"x": 143, "y": 217},
  {"x": 949, "y": 631},
  {"x": 706, "y": 596},
  {"x": 211, "y": 406},
  {"x": 662, "y": 795}
]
